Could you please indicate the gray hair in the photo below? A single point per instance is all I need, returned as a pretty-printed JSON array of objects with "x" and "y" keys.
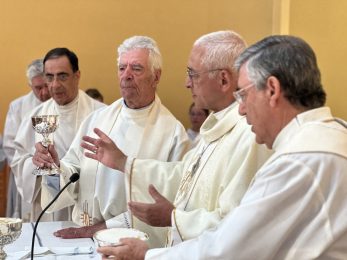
[
  {"x": 293, "y": 62},
  {"x": 34, "y": 69},
  {"x": 221, "y": 49},
  {"x": 143, "y": 42}
]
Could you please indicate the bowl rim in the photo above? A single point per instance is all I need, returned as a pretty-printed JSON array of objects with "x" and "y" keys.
[
  {"x": 12, "y": 220},
  {"x": 144, "y": 236}
]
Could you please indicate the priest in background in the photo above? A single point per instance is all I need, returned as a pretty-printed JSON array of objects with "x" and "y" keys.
[
  {"x": 197, "y": 117},
  {"x": 19, "y": 109},
  {"x": 2, "y": 155}
]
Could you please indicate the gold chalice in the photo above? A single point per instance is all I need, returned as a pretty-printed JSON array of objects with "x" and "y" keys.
[
  {"x": 10, "y": 230},
  {"x": 45, "y": 125}
]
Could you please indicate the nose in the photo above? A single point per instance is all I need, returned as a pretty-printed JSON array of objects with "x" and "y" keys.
[
  {"x": 127, "y": 73},
  {"x": 45, "y": 90},
  {"x": 188, "y": 82},
  {"x": 55, "y": 82},
  {"x": 242, "y": 109}
]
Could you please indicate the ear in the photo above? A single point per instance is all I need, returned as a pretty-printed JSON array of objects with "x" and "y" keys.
[
  {"x": 225, "y": 80},
  {"x": 157, "y": 74},
  {"x": 273, "y": 90},
  {"x": 77, "y": 74}
]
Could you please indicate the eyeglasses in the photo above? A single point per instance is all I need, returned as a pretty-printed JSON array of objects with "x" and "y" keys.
[
  {"x": 240, "y": 95},
  {"x": 60, "y": 77},
  {"x": 195, "y": 74}
]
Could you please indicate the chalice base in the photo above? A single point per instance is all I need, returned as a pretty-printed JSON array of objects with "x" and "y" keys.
[
  {"x": 2, "y": 253},
  {"x": 41, "y": 171},
  {"x": 10, "y": 230}
]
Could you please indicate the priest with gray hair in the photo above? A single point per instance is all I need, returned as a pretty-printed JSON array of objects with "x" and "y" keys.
[
  {"x": 139, "y": 123},
  {"x": 18, "y": 110}
]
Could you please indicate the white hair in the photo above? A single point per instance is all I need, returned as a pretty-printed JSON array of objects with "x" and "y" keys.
[
  {"x": 221, "y": 49},
  {"x": 142, "y": 42},
  {"x": 34, "y": 69}
]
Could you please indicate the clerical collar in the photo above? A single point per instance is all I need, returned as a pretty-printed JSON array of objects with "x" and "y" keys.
[
  {"x": 142, "y": 108},
  {"x": 214, "y": 117},
  {"x": 67, "y": 107},
  {"x": 287, "y": 132},
  {"x": 220, "y": 114}
]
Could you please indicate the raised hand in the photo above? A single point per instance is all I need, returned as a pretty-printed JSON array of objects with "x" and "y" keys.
[
  {"x": 104, "y": 150},
  {"x": 156, "y": 214},
  {"x": 44, "y": 157},
  {"x": 130, "y": 249}
]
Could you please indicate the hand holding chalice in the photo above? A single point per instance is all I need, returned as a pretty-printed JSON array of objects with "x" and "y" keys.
[{"x": 45, "y": 125}]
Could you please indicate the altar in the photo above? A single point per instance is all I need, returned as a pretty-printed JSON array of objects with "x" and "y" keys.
[{"x": 47, "y": 246}]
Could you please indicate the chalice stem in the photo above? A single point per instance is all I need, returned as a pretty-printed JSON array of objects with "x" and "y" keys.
[
  {"x": 45, "y": 144},
  {"x": 46, "y": 141}
]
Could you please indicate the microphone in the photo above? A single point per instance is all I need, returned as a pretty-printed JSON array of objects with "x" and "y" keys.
[{"x": 73, "y": 178}]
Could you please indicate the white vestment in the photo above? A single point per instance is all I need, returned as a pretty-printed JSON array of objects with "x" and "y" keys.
[
  {"x": 2, "y": 154},
  {"x": 228, "y": 159},
  {"x": 151, "y": 132},
  {"x": 18, "y": 108},
  {"x": 296, "y": 207},
  {"x": 194, "y": 137},
  {"x": 70, "y": 117}
]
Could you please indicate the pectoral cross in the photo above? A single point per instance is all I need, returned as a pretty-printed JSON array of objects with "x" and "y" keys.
[
  {"x": 188, "y": 177},
  {"x": 85, "y": 217}
]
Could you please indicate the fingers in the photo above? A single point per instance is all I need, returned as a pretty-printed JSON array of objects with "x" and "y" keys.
[
  {"x": 117, "y": 251},
  {"x": 96, "y": 141},
  {"x": 40, "y": 148},
  {"x": 87, "y": 146},
  {"x": 130, "y": 241},
  {"x": 42, "y": 157},
  {"x": 138, "y": 208},
  {"x": 57, "y": 233},
  {"x": 131, "y": 248},
  {"x": 39, "y": 162},
  {"x": 53, "y": 154},
  {"x": 101, "y": 134},
  {"x": 155, "y": 194},
  {"x": 91, "y": 155},
  {"x": 89, "y": 139},
  {"x": 69, "y": 233}
]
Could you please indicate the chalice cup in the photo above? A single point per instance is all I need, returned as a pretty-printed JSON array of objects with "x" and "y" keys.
[
  {"x": 10, "y": 230},
  {"x": 45, "y": 125}
]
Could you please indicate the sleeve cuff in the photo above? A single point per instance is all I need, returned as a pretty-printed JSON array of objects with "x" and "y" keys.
[
  {"x": 120, "y": 221},
  {"x": 128, "y": 165}
]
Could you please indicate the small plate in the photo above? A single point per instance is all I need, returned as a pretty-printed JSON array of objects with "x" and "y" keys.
[{"x": 111, "y": 236}]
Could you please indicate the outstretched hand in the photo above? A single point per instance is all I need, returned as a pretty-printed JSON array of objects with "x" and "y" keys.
[
  {"x": 130, "y": 249},
  {"x": 104, "y": 150},
  {"x": 156, "y": 214},
  {"x": 72, "y": 232},
  {"x": 80, "y": 232},
  {"x": 45, "y": 156}
]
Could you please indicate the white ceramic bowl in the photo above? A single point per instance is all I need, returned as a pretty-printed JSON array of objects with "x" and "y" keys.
[{"x": 111, "y": 236}]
